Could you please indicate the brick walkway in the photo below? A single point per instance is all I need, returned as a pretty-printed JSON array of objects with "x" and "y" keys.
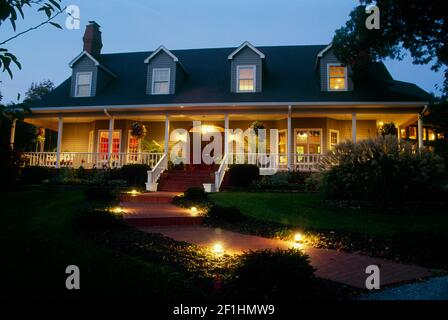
[{"x": 153, "y": 213}]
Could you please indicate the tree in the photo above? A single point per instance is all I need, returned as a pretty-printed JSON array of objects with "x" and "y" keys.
[
  {"x": 38, "y": 91},
  {"x": 11, "y": 10},
  {"x": 417, "y": 26}
]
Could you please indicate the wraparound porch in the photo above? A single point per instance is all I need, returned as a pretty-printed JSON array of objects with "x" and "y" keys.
[{"x": 304, "y": 134}]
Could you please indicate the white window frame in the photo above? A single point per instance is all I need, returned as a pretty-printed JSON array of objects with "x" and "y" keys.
[
  {"x": 153, "y": 80},
  {"x": 238, "y": 67},
  {"x": 345, "y": 76},
  {"x": 329, "y": 137},
  {"x": 307, "y": 129},
  {"x": 89, "y": 73}
]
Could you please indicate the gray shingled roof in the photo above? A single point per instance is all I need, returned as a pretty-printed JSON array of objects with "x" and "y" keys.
[{"x": 289, "y": 75}]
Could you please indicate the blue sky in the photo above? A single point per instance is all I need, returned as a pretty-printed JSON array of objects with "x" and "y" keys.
[{"x": 142, "y": 25}]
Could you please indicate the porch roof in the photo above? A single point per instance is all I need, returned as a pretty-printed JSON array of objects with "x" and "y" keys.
[{"x": 288, "y": 75}]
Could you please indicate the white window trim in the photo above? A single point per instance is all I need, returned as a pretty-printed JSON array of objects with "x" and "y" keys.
[
  {"x": 99, "y": 139},
  {"x": 307, "y": 129},
  {"x": 238, "y": 67},
  {"x": 153, "y": 80},
  {"x": 76, "y": 83},
  {"x": 328, "y": 76},
  {"x": 329, "y": 137}
]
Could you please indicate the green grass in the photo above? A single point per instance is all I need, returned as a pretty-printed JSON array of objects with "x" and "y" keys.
[
  {"x": 38, "y": 242},
  {"x": 307, "y": 211}
]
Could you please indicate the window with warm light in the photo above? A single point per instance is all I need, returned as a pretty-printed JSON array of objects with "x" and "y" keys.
[
  {"x": 246, "y": 78},
  {"x": 308, "y": 142},
  {"x": 334, "y": 138},
  {"x": 337, "y": 77},
  {"x": 103, "y": 142},
  {"x": 161, "y": 81}
]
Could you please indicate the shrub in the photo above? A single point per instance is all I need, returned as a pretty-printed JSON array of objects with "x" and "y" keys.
[
  {"x": 195, "y": 194},
  {"x": 101, "y": 193},
  {"x": 382, "y": 169},
  {"x": 242, "y": 175},
  {"x": 274, "y": 274},
  {"x": 225, "y": 214},
  {"x": 135, "y": 174},
  {"x": 34, "y": 175},
  {"x": 9, "y": 167},
  {"x": 90, "y": 219}
]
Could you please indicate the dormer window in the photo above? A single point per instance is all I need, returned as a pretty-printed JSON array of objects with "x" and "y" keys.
[
  {"x": 161, "y": 81},
  {"x": 83, "y": 84},
  {"x": 246, "y": 76},
  {"x": 337, "y": 77}
]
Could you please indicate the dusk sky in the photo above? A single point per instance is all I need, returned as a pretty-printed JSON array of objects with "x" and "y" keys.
[{"x": 140, "y": 25}]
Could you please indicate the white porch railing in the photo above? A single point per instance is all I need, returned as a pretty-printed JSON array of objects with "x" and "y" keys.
[
  {"x": 90, "y": 160},
  {"x": 154, "y": 174},
  {"x": 269, "y": 163}
]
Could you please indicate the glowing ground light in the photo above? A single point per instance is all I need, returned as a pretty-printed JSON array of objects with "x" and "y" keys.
[
  {"x": 194, "y": 210},
  {"x": 134, "y": 192},
  {"x": 218, "y": 248},
  {"x": 117, "y": 210},
  {"x": 298, "y": 237}
]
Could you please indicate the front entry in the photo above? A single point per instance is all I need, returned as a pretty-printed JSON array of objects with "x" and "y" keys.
[{"x": 207, "y": 149}]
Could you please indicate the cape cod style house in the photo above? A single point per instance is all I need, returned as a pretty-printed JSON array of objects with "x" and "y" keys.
[{"x": 303, "y": 91}]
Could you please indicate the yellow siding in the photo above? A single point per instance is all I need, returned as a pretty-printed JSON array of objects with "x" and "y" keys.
[{"x": 75, "y": 137}]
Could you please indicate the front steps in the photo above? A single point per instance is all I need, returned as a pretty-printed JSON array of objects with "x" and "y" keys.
[
  {"x": 156, "y": 209},
  {"x": 181, "y": 180}
]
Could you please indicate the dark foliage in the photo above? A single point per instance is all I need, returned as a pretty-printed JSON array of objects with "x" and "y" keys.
[
  {"x": 242, "y": 175},
  {"x": 89, "y": 219},
  {"x": 224, "y": 214},
  {"x": 403, "y": 25},
  {"x": 135, "y": 174},
  {"x": 35, "y": 174},
  {"x": 101, "y": 193},
  {"x": 195, "y": 194},
  {"x": 279, "y": 274},
  {"x": 9, "y": 167},
  {"x": 389, "y": 128}
]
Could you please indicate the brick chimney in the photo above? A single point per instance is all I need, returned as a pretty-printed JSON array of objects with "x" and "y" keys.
[{"x": 92, "y": 39}]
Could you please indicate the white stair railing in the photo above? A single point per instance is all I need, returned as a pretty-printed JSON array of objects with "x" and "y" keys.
[
  {"x": 154, "y": 174},
  {"x": 219, "y": 175}
]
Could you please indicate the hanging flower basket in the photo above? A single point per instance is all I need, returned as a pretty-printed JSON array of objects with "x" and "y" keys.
[
  {"x": 257, "y": 125},
  {"x": 138, "y": 130},
  {"x": 40, "y": 135}
]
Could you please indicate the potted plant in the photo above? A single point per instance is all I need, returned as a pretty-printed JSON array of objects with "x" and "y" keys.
[{"x": 257, "y": 125}]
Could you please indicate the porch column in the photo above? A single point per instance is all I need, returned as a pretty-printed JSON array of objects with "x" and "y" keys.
[
  {"x": 110, "y": 141},
  {"x": 226, "y": 133},
  {"x": 167, "y": 134},
  {"x": 398, "y": 133},
  {"x": 13, "y": 133},
  {"x": 289, "y": 146},
  {"x": 59, "y": 143},
  {"x": 420, "y": 131},
  {"x": 354, "y": 127}
]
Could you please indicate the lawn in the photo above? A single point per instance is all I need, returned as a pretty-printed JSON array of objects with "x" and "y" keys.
[
  {"x": 38, "y": 242},
  {"x": 307, "y": 211}
]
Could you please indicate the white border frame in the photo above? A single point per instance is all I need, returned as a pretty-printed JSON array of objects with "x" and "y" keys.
[
  {"x": 169, "y": 81},
  {"x": 99, "y": 138},
  {"x": 328, "y": 76},
  {"x": 308, "y": 129},
  {"x": 238, "y": 67},
  {"x": 90, "y": 73}
]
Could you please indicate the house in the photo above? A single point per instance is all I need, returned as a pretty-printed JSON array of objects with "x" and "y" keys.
[{"x": 302, "y": 91}]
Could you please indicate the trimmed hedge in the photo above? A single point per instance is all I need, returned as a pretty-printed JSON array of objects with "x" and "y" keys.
[
  {"x": 135, "y": 174},
  {"x": 101, "y": 193},
  {"x": 242, "y": 175},
  {"x": 224, "y": 214},
  {"x": 274, "y": 274}
]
